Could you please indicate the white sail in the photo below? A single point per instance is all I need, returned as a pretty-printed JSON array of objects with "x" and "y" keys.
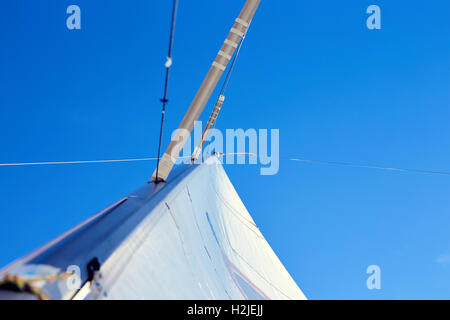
[
  {"x": 186, "y": 235},
  {"x": 192, "y": 238}
]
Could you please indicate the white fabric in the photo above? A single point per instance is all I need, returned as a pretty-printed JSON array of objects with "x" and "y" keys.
[{"x": 199, "y": 242}]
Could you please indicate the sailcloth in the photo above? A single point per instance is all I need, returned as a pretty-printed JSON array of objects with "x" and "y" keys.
[{"x": 188, "y": 238}]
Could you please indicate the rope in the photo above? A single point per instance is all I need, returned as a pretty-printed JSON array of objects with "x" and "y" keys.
[
  {"x": 72, "y": 162},
  {"x": 334, "y": 163},
  {"x": 77, "y": 162},
  {"x": 166, "y": 84},
  {"x": 227, "y": 79},
  {"x": 234, "y": 153},
  {"x": 349, "y": 164},
  {"x": 27, "y": 285}
]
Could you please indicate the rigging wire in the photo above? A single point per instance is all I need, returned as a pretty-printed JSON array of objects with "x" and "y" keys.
[
  {"x": 226, "y": 81},
  {"x": 331, "y": 163},
  {"x": 230, "y": 70},
  {"x": 225, "y": 85},
  {"x": 17, "y": 164},
  {"x": 168, "y": 64},
  {"x": 357, "y": 165},
  {"x": 71, "y": 162}
]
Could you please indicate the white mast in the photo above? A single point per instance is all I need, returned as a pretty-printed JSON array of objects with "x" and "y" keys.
[{"x": 219, "y": 65}]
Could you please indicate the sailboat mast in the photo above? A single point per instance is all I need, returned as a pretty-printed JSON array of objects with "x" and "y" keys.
[{"x": 219, "y": 65}]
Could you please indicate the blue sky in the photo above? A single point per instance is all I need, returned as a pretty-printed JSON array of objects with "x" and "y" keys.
[{"x": 336, "y": 90}]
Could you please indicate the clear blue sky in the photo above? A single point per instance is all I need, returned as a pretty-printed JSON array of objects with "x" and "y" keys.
[{"x": 336, "y": 91}]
